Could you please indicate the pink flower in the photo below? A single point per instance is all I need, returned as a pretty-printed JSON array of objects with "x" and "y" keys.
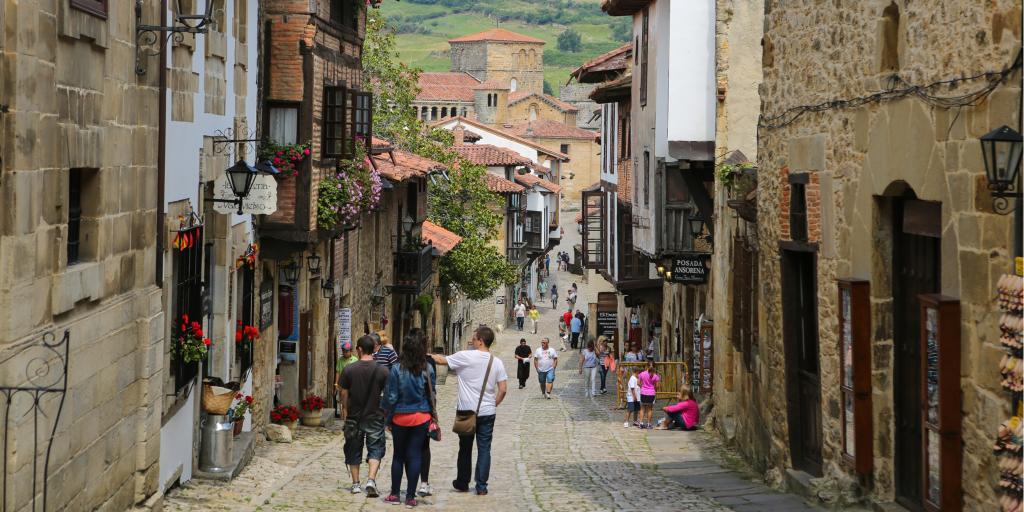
[{"x": 305, "y": 151}]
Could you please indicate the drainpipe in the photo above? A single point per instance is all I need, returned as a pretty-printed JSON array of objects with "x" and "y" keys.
[{"x": 161, "y": 154}]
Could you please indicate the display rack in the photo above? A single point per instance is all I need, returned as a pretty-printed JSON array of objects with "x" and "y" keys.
[{"x": 1010, "y": 293}]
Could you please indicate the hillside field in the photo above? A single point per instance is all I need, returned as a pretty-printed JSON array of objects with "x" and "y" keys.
[{"x": 424, "y": 27}]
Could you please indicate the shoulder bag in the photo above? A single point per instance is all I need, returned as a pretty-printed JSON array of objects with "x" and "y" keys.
[{"x": 465, "y": 421}]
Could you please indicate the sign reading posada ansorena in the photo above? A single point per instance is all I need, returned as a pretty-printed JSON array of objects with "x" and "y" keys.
[{"x": 690, "y": 268}]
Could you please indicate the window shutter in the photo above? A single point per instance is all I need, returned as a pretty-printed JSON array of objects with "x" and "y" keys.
[
  {"x": 594, "y": 246},
  {"x": 334, "y": 122}
]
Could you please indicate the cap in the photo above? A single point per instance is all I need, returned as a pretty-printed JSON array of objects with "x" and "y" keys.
[{"x": 346, "y": 346}]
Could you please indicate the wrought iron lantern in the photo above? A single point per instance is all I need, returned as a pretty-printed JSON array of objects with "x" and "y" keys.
[
  {"x": 660, "y": 268},
  {"x": 241, "y": 176},
  {"x": 313, "y": 264},
  {"x": 148, "y": 36},
  {"x": 291, "y": 272},
  {"x": 1001, "y": 149},
  {"x": 327, "y": 288},
  {"x": 696, "y": 225},
  {"x": 407, "y": 223}
]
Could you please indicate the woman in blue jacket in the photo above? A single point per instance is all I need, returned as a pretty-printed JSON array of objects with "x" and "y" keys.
[{"x": 408, "y": 402}]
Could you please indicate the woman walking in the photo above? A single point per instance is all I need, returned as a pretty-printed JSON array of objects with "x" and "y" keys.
[
  {"x": 408, "y": 402},
  {"x": 648, "y": 392},
  {"x": 554, "y": 295},
  {"x": 534, "y": 317},
  {"x": 425, "y": 488},
  {"x": 604, "y": 356},
  {"x": 588, "y": 368}
]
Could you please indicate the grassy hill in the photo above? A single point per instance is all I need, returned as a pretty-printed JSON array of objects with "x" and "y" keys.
[{"x": 424, "y": 27}]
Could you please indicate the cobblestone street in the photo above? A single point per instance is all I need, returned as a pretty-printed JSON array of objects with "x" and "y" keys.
[{"x": 568, "y": 453}]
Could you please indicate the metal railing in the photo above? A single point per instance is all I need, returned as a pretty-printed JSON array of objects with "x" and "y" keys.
[{"x": 412, "y": 270}]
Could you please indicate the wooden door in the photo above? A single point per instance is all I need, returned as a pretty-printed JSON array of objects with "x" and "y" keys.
[
  {"x": 305, "y": 354},
  {"x": 916, "y": 272},
  {"x": 803, "y": 375}
]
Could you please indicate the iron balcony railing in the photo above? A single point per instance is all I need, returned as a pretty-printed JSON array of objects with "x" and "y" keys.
[{"x": 413, "y": 270}]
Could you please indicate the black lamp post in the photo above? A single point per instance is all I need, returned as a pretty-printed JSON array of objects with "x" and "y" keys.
[
  {"x": 313, "y": 264},
  {"x": 1001, "y": 149},
  {"x": 291, "y": 273},
  {"x": 327, "y": 288}
]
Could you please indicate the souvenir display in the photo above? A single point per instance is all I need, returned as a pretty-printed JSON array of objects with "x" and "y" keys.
[{"x": 1010, "y": 292}]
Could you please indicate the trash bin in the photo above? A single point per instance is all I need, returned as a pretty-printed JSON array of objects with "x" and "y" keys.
[{"x": 216, "y": 443}]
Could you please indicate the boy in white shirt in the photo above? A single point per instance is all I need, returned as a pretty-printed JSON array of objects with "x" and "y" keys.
[{"x": 632, "y": 398}]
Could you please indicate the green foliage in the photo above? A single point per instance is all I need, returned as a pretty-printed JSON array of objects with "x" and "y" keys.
[
  {"x": 394, "y": 84},
  {"x": 737, "y": 179},
  {"x": 569, "y": 41},
  {"x": 475, "y": 268},
  {"x": 548, "y": 89},
  {"x": 352, "y": 190},
  {"x": 425, "y": 302}
]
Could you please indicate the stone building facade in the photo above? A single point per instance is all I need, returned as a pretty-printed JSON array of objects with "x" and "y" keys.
[
  {"x": 77, "y": 253},
  {"x": 503, "y": 56},
  {"x": 858, "y": 190}
]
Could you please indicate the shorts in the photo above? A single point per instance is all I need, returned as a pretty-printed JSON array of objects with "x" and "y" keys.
[
  {"x": 633, "y": 406},
  {"x": 647, "y": 399},
  {"x": 357, "y": 432},
  {"x": 546, "y": 377}
]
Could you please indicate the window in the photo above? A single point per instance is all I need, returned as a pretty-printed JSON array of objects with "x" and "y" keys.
[
  {"x": 594, "y": 231},
  {"x": 433, "y": 113},
  {"x": 463, "y": 111},
  {"x": 533, "y": 111},
  {"x": 643, "y": 56},
  {"x": 74, "y": 215},
  {"x": 284, "y": 124},
  {"x": 94, "y": 7},
  {"x": 647, "y": 178},
  {"x": 890, "y": 38},
  {"x": 345, "y": 13},
  {"x": 624, "y": 148},
  {"x": 797, "y": 212},
  {"x": 188, "y": 294},
  {"x": 334, "y": 122},
  {"x": 564, "y": 148},
  {"x": 362, "y": 116},
  {"x": 246, "y": 283},
  {"x": 744, "y": 307},
  {"x": 512, "y": 85}
]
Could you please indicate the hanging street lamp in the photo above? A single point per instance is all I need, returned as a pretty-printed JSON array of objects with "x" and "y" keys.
[
  {"x": 1001, "y": 150},
  {"x": 291, "y": 273},
  {"x": 327, "y": 288},
  {"x": 313, "y": 264},
  {"x": 241, "y": 176}
]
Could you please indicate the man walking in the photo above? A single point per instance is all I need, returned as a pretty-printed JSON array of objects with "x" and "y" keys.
[
  {"x": 482, "y": 383},
  {"x": 386, "y": 355},
  {"x": 575, "y": 326},
  {"x": 523, "y": 353},
  {"x": 361, "y": 385},
  {"x": 554, "y": 296},
  {"x": 347, "y": 358},
  {"x": 520, "y": 315},
  {"x": 545, "y": 360}
]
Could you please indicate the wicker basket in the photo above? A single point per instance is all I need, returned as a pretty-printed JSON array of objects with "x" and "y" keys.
[{"x": 216, "y": 399}]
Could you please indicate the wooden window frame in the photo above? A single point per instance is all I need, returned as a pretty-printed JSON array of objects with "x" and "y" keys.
[
  {"x": 98, "y": 8},
  {"x": 854, "y": 331},
  {"x": 594, "y": 225},
  {"x": 362, "y": 118},
  {"x": 944, "y": 328},
  {"x": 645, "y": 37},
  {"x": 334, "y": 122}
]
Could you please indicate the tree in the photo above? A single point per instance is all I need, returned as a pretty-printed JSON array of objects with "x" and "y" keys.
[
  {"x": 462, "y": 204},
  {"x": 548, "y": 89},
  {"x": 569, "y": 41}
]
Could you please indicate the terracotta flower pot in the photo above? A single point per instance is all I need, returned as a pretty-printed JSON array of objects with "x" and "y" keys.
[
  {"x": 312, "y": 418},
  {"x": 292, "y": 425},
  {"x": 238, "y": 427}
]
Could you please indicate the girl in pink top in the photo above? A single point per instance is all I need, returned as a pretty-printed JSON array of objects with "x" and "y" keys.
[
  {"x": 684, "y": 414},
  {"x": 648, "y": 391}
]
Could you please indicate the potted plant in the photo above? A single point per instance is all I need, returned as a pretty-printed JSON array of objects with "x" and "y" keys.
[
  {"x": 353, "y": 189},
  {"x": 286, "y": 157},
  {"x": 286, "y": 415},
  {"x": 245, "y": 335},
  {"x": 243, "y": 405},
  {"x": 312, "y": 406},
  {"x": 192, "y": 346}
]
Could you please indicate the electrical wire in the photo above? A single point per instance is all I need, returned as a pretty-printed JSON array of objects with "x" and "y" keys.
[{"x": 898, "y": 88}]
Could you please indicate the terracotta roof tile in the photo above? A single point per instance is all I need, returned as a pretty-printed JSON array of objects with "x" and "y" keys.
[
  {"x": 500, "y": 185},
  {"x": 442, "y": 239},
  {"x": 617, "y": 60},
  {"x": 446, "y": 86},
  {"x": 502, "y": 133},
  {"x": 400, "y": 166},
  {"x": 469, "y": 136},
  {"x": 564, "y": 106},
  {"x": 486, "y": 154},
  {"x": 532, "y": 179},
  {"x": 497, "y": 34},
  {"x": 545, "y": 128}
]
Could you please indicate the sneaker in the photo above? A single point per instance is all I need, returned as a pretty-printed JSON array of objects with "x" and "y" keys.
[
  {"x": 425, "y": 489},
  {"x": 356, "y": 488},
  {"x": 548, "y": 396},
  {"x": 604, "y": 391},
  {"x": 636, "y": 423},
  {"x": 626, "y": 424},
  {"x": 371, "y": 489},
  {"x": 393, "y": 499},
  {"x": 411, "y": 503}
]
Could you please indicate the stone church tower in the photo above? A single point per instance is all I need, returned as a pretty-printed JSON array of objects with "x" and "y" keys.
[{"x": 503, "y": 56}]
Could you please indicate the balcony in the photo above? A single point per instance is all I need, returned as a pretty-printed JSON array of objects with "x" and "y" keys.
[
  {"x": 676, "y": 237},
  {"x": 533, "y": 233},
  {"x": 413, "y": 271},
  {"x": 516, "y": 254}
]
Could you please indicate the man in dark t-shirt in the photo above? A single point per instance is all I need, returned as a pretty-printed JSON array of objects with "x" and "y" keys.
[
  {"x": 523, "y": 353},
  {"x": 361, "y": 385}
]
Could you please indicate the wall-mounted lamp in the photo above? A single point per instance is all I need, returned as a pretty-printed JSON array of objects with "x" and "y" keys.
[
  {"x": 291, "y": 272},
  {"x": 1001, "y": 149},
  {"x": 327, "y": 288},
  {"x": 153, "y": 35},
  {"x": 313, "y": 264}
]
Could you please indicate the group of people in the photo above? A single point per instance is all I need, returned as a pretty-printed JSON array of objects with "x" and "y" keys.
[
  {"x": 641, "y": 393},
  {"x": 570, "y": 328},
  {"x": 382, "y": 390},
  {"x": 522, "y": 311}
]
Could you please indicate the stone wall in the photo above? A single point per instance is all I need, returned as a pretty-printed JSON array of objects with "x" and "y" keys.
[
  {"x": 579, "y": 95},
  {"x": 77, "y": 106},
  {"x": 502, "y": 61},
  {"x": 860, "y": 156}
]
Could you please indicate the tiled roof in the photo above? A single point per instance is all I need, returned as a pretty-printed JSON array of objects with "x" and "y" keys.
[
  {"x": 502, "y": 133},
  {"x": 545, "y": 128},
  {"x": 615, "y": 61},
  {"x": 399, "y": 165},
  {"x": 379, "y": 145},
  {"x": 469, "y": 136},
  {"x": 442, "y": 239},
  {"x": 500, "y": 185},
  {"x": 496, "y": 34},
  {"x": 564, "y": 106},
  {"x": 446, "y": 86},
  {"x": 492, "y": 85},
  {"x": 613, "y": 90},
  {"x": 531, "y": 179},
  {"x": 487, "y": 154}
]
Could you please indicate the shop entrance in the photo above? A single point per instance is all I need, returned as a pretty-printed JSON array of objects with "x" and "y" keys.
[
  {"x": 916, "y": 245},
  {"x": 803, "y": 376}
]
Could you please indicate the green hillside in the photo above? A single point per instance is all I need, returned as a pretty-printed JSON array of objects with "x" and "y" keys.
[{"x": 425, "y": 26}]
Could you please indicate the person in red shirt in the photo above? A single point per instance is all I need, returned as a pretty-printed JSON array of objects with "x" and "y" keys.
[{"x": 567, "y": 318}]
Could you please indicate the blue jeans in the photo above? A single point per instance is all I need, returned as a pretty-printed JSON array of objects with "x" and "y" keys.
[
  {"x": 519, "y": 322},
  {"x": 604, "y": 376},
  {"x": 408, "y": 456},
  {"x": 484, "y": 433}
]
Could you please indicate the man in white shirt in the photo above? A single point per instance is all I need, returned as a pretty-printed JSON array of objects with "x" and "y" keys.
[
  {"x": 471, "y": 368},
  {"x": 520, "y": 315},
  {"x": 545, "y": 360}
]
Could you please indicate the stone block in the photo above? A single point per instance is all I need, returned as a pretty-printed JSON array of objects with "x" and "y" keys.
[
  {"x": 969, "y": 230},
  {"x": 278, "y": 433},
  {"x": 121, "y": 233},
  {"x": 997, "y": 233},
  {"x": 976, "y": 288}
]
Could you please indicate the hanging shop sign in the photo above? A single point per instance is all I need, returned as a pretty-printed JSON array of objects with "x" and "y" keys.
[
  {"x": 266, "y": 304},
  {"x": 344, "y": 327},
  {"x": 690, "y": 268},
  {"x": 262, "y": 198},
  {"x": 703, "y": 367}
]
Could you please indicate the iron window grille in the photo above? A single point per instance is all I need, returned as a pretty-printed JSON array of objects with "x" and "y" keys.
[
  {"x": 188, "y": 298},
  {"x": 74, "y": 215}
]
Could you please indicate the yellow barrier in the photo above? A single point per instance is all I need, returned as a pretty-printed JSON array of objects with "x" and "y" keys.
[{"x": 674, "y": 375}]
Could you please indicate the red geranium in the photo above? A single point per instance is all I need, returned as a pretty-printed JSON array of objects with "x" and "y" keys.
[
  {"x": 192, "y": 346},
  {"x": 284, "y": 414},
  {"x": 312, "y": 403}
]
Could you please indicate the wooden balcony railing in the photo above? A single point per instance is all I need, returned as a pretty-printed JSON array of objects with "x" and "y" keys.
[{"x": 413, "y": 270}]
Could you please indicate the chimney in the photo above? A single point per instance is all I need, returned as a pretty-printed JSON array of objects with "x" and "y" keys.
[{"x": 460, "y": 134}]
